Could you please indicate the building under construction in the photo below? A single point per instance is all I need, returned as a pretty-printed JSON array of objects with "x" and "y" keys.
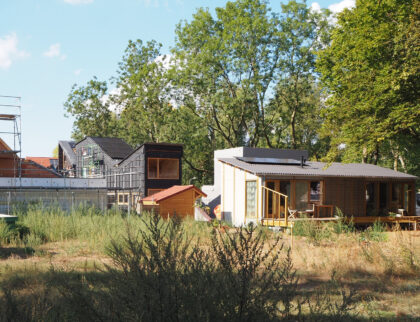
[{"x": 24, "y": 181}]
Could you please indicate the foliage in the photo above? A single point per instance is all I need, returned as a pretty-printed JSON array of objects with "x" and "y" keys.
[
  {"x": 371, "y": 72},
  {"x": 377, "y": 233},
  {"x": 297, "y": 102},
  {"x": 159, "y": 274},
  {"x": 87, "y": 104}
]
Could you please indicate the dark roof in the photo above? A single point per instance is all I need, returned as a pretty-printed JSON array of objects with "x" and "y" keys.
[
  {"x": 319, "y": 169},
  {"x": 148, "y": 143},
  {"x": 115, "y": 148},
  {"x": 68, "y": 147}
]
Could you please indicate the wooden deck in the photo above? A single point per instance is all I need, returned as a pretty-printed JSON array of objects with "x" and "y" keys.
[
  {"x": 274, "y": 222},
  {"x": 413, "y": 220}
]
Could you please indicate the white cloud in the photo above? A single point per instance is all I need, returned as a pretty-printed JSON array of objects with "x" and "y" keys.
[
  {"x": 78, "y": 71},
  {"x": 9, "y": 51},
  {"x": 340, "y": 6},
  {"x": 335, "y": 7},
  {"x": 55, "y": 51},
  {"x": 315, "y": 7},
  {"x": 76, "y": 2}
]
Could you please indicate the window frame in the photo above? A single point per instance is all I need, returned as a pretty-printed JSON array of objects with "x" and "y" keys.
[
  {"x": 157, "y": 168},
  {"x": 256, "y": 200}
]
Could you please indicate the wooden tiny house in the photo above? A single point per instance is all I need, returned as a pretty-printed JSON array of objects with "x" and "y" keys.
[
  {"x": 179, "y": 200},
  {"x": 276, "y": 187}
]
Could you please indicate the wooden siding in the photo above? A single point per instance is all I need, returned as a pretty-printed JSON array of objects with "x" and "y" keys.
[
  {"x": 346, "y": 194},
  {"x": 181, "y": 204}
]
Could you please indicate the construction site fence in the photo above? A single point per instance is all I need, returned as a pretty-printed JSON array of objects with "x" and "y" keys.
[{"x": 66, "y": 199}]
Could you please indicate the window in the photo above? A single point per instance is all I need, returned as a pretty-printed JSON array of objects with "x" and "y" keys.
[
  {"x": 153, "y": 191},
  {"x": 301, "y": 192},
  {"x": 315, "y": 191},
  {"x": 120, "y": 198},
  {"x": 162, "y": 168},
  {"x": 370, "y": 198},
  {"x": 396, "y": 192},
  {"x": 251, "y": 200}
]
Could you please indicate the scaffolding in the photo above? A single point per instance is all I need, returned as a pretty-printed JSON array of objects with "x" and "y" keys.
[{"x": 10, "y": 114}]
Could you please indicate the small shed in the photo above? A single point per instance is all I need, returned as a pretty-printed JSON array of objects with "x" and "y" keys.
[{"x": 177, "y": 200}]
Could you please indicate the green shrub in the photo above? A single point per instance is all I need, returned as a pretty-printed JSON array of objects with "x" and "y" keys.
[{"x": 376, "y": 232}]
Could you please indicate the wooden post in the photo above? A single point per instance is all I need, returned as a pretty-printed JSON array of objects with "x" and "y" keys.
[
  {"x": 286, "y": 211},
  {"x": 411, "y": 199}
]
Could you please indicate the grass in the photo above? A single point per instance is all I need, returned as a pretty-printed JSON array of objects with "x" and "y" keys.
[{"x": 78, "y": 251}]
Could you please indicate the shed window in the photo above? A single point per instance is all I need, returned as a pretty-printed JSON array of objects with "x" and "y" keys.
[
  {"x": 163, "y": 168},
  {"x": 251, "y": 199}
]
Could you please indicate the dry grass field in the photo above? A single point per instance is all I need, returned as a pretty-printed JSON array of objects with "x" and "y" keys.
[{"x": 381, "y": 268}]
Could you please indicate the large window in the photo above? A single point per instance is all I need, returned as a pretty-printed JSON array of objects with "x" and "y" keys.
[
  {"x": 301, "y": 195},
  {"x": 162, "y": 168},
  {"x": 251, "y": 199}
]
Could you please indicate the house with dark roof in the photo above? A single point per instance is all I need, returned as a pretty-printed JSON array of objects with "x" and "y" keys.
[
  {"x": 131, "y": 174},
  {"x": 96, "y": 155},
  {"x": 150, "y": 168},
  {"x": 277, "y": 187}
]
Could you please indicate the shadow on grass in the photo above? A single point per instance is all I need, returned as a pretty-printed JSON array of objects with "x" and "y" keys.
[
  {"x": 17, "y": 252},
  {"x": 100, "y": 296}
]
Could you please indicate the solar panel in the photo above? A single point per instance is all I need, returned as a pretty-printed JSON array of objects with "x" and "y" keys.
[{"x": 270, "y": 160}]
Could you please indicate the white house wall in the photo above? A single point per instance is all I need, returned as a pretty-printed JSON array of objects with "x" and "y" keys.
[{"x": 233, "y": 194}]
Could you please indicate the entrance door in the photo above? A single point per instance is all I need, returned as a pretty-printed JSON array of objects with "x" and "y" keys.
[{"x": 275, "y": 205}]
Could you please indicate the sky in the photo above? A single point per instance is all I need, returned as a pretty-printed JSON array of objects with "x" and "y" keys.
[{"x": 46, "y": 46}]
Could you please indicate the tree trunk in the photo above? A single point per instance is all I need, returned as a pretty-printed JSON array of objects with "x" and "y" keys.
[
  {"x": 402, "y": 163},
  {"x": 293, "y": 123}
]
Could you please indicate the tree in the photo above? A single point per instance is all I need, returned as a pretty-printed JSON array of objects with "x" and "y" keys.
[
  {"x": 87, "y": 104},
  {"x": 297, "y": 97},
  {"x": 143, "y": 94},
  {"x": 371, "y": 71},
  {"x": 227, "y": 66}
]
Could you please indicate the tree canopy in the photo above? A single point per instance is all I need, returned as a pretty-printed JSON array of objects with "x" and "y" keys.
[
  {"x": 371, "y": 74},
  {"x": 344, "y": 89}
]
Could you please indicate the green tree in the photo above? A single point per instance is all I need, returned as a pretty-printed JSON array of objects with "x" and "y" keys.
[
  {"x": 143, "y": 94},
  {"x": 90, "y": 109},
  {"x": 371, "y": 72},
  {"x": 227, "y": 65},
  {"x": 297, "y": 99}
]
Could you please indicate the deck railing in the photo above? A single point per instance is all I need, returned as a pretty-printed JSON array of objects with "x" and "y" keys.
[{"x": 279, "y": 207}]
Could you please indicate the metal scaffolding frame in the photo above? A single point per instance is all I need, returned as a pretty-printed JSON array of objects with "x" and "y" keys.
[{"x": 10, "y": 112}]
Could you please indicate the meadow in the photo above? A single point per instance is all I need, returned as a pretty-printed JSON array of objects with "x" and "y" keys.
[{"x": 94, "y": 266}]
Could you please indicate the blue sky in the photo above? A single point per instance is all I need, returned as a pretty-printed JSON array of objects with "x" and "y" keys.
[{"x": 46, "y": 46}]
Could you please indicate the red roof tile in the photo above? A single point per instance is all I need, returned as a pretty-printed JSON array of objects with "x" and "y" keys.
[
  {"x": 170, "y": 192},
  {"x": 44, "y": 161}
]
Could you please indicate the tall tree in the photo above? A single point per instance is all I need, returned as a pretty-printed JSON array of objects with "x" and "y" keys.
[
  {"x": 90, "y": 108},
  {"x": 372, "y": 73},
  {"x": 304, "y": 32},
  {"x": 227, "y": 65},
  {"x": 143, "y": 94}
]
